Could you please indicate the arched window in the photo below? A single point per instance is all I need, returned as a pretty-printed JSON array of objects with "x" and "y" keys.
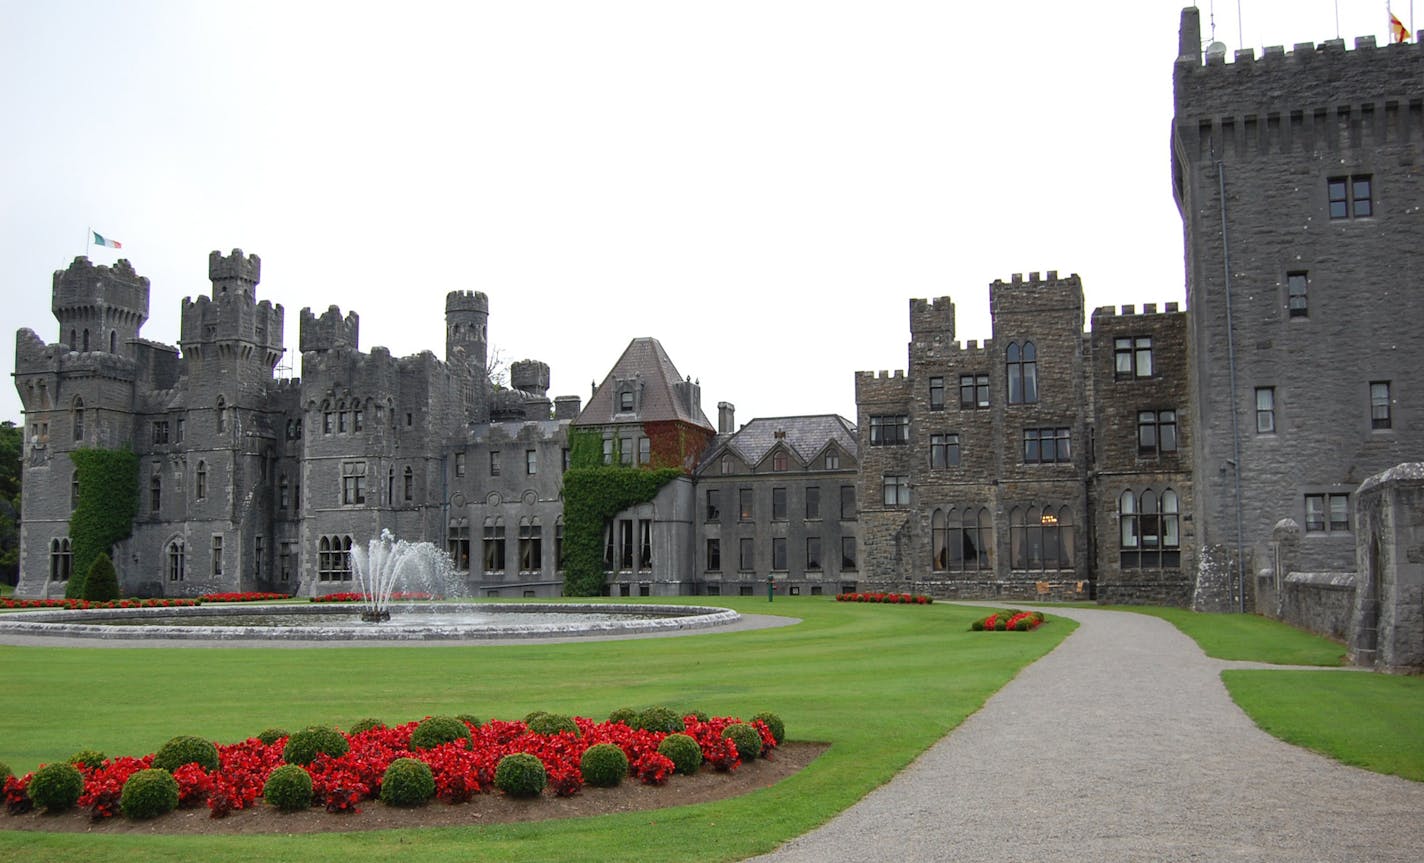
[
  {"x": 326, "y": 417},
  {"x": 74, "y": 340},
  {"x": 494, "y": 545},
  {"x": 1041, "y": 538},
  {"x": 61, "y": 559},
  {"x": 74, "y": 490},
  {"x": 155, "y": 494},
  {"x": 78, "y": 418},
  {"x": 177, "y": 560},
  {"x": 200, "y": 484},
  {"x": 970, "y": 538},
  {"x": 284, "y": 492},
  {"x": 391, "y": 486},
  {"x": 408, "y": 482},
  {"x": 1022, "y": 367},
  {"x": 113, "y": 342},
  {"x": 221, "y": 415},
  {"x": 324, "y": 565},
  {"x": 341, "y": 417},
  {"x": 86, "y": 340},
  {"x": 559, "y": 543},
  {"x": 939, "y": 541},
  {"x": 531, "y": 545},
  {"x": 459, "y": 544}
]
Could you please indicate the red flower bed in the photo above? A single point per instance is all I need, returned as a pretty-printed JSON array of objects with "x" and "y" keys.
[
  {"x": 1009, "y": 620},
  {"x": 461, "y": 772},
  {"x": 891, "y": 598},
  {"x": 250, "y": 596},
  {"x": 11, "y": 602}
]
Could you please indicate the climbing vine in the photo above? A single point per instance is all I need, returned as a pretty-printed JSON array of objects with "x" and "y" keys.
[
  {"x": 592, "y": 496},
  {"x": 585, "y": 448},
  {"x": 105, "y": 510}
]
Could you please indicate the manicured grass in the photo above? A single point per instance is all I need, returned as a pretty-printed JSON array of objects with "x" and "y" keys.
[
  {"x": 879, "y": 682},
  {"x": 1375, "y": 721},
  {"x": 1248, "y": 637}
]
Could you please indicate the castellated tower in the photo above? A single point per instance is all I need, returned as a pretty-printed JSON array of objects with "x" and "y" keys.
[
  {"x": 467, "y": 348},
  {"x": 229, "y": 339},
  {"x": 99, "y": 308}
]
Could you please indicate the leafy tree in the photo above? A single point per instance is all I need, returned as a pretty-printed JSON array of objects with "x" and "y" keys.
[{"x": 11, "y": 441}]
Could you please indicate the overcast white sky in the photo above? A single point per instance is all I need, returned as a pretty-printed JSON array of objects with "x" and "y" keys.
[{"x": 760, "y": 185}]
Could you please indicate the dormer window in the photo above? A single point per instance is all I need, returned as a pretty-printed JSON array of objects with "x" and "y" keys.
[{"x": 625, "y": 401}]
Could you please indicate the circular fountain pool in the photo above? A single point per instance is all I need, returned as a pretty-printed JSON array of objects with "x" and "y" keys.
[{"x": 337, "y": 623}]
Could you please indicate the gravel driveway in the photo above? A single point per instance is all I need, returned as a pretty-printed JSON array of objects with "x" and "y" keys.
[{"x": 1127, "y": 748}]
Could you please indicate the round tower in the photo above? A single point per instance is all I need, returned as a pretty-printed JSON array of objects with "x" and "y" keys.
[
  {"x": 466, "y": 327},
  {"x": 530, "y": 376},
  {"x": 99, "y": 308}
]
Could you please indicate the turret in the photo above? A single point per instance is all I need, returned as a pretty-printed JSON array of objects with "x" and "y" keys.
[
  {"x": 99, "y": 308},
  {"x": 530, "y": 376},
  {"x": 467, "y": 327},
  {"x": 330, "y": 331}
]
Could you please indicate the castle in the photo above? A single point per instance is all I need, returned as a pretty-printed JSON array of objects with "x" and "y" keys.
[{"x": 1210, "y": 455}]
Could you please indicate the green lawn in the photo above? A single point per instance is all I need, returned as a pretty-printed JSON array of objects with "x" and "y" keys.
[
  {"x": 880, "y": 683},
  {"x": 1375, "y": 721},
  {"x": 1248, "y": 637}
]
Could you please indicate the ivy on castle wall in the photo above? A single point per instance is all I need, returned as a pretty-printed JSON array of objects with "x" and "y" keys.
[
  {"x": 673, "y": 443},
  {"x": 104, "y": 513},
  {"x": 585, "y": 449},
  {"x": 592, "y": 496}
]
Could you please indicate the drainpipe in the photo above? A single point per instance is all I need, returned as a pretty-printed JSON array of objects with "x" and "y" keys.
[{"x": 1235, "y": 408}]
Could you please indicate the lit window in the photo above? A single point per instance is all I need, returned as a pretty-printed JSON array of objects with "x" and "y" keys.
[
  {"x": 1380, "y": 405},
  {"x": 1040, "y": 539},
  {"x": 1265, "y": 410},
  {"x": 744, "y": 504}
]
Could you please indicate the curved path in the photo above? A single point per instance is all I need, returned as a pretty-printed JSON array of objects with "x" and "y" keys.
[{"x": 1127, "y": 748}]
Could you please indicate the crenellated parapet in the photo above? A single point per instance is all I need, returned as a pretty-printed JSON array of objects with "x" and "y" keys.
[
  {"x": 932, "y": 319},
  {"x": 881, "y": 387},
  {"x": 235, "y": 273},
  {"x": 330, "y": 331},
  {"x": 467, "y": 301},
  {"x": 1048, "y": 292},
  {"x": 1105, "y": 314},
  {"x": 530, "y": 376}
]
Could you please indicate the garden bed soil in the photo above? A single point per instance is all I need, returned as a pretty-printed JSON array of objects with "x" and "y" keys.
[{"x": 493, "y": 808}]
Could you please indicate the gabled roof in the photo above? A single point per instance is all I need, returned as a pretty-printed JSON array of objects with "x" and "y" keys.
[
  {"x": 804, "y": 435},
  {"x": 662, "y": 394}
]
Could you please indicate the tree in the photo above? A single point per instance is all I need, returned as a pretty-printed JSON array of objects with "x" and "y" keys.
[
  {"x": 101, "y": 584},
  {"x": 11, "y": 446}
]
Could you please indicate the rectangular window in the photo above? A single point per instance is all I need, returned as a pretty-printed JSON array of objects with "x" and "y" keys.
[
  {"x": 714, "y": 555},
  {"x": 813, "y": 503},
  {"x": 178, "y": 430},
  {"x": 833, "y": 460},
  {"x": 778, "y": 504},
  {"x": 973, "y": 392},
  {"x": 645, "y": 450},
  {"x": 746, "y": 558},
  {"x": 813, "y": 554},
  {"x": 1327, "y": 513},
  {"x": 625, "y": 544},
  {"x": 778, "y": 553},
  {"x": 353, "y": 482},
  {"x": 645, "y": 544},
  {"x": 714, "y": 504},
  {"x": 847, "y": 503},
  {"x": 1380, "y": 405},
  {"x": 848, "y": 554},
  {"x": 257, "y": 554},
  {"x": 460, "y": 463},
  {"x": 493, "y": 463},
  {"x": 531, "y": 546},
  {"x": 1132, "y": 357},
  {"x": 1265, "y": 410},
  {"x": 944, "y": 450},
  {"x": 284, "y": 562},
  {"x": 1156, "y": 432},
  {"x": 531, "y": 462},
  {"x": 608, "y": 450},
  {"x": 217, "y": 569},
  {"x": 625, "y": 450},
  {"x": 356, "y": 419},
  {"x": 494, "y": 545},
  {"x": 744, "y": 504},
  {"x": 889, "y": 429},
  {"x": 896, "y": 488},
  {"x": 160, "y": 432},
  {"x": 936, "y": 394},
  {"x": 1351, "y": 197},
  {"x": 564, "y": 459},
  {"x": 779, "y": 460},
  {"x": 340, "y": 422},
  {"x": 458, "y": 542},
  {"x": 1296, "y": 301},
  {"x": 1044, "y": 446}
]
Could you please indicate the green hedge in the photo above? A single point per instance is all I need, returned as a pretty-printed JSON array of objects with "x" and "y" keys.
[{"x": 104, "y": 513}]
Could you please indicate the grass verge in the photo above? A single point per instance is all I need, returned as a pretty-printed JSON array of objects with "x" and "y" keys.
[
  {"x": 1248, "y": 637},
  {"x": 879, "y": 682},
  {"x": 1374, "y": 721}
]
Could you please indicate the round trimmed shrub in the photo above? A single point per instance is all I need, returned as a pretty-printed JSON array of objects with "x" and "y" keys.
[
  {"x": 271, "y": 735},
  {"x": 435, "y": 730},
  {"x": 363, "y": 725},
  {"x": 552, "y": 723},
  {"x": 603, "y": 765},
  {"x": 407, "y": 782},
  {"x": 91, "y": 758},
  {"x": 101, "y": 584},
  {"x": 773, "y": 724},
  {"x": 186, "y": 749},
  {"x": 288, "y": 788},
  {"x": 56, "y": 787},
  {"x": 745, "y": 738},
  {"x": 699, "y": 715},
  {"x": 1024, "y": 625},
  {"x": 659, "y": 718},
  {"x": 625, "y": 715},
  {"x": 149, "y": 794},
  {"x": 304, "y": 746},
  {"x": 533, "y": 715},
  {"x": 683, "y": 752},
  {"x": 470, "y": 719},
  {"x": 5, "y": 772},
  {"x": 520, "y": 775}
]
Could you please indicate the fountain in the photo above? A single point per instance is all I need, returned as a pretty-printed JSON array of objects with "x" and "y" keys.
[{"x": 387, "y": 563}]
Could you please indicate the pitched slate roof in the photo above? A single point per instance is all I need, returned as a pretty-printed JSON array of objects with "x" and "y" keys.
[
  {"x": 644, "y": 358},
  {"x": 804, "y": 435}
]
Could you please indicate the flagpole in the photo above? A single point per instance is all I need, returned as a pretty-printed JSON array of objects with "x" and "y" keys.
[{"x": 88, "y": 236}]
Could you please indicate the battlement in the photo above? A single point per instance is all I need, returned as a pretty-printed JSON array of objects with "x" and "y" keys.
[
  {"x": 82, "y": 285},
  {"x": 1314, "y": 97},
  {"x": 467, "y": 301},
  {"x": 1106, "y": 313},
  {"x": 328, "y": 332},
  {"x": 236, "y": 273},
  {"x": 33, "y": 356},
  {"x": 934, "y": 316},
  {"x": 530, "y": 376},
  {"x": 232, "y": 316},
  {"x": 881, "y": 387}
]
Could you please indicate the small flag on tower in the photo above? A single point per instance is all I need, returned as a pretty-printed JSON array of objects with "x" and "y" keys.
[
  {"x": 1397, "y": 29},
  {"x": 100, "y": 240}
]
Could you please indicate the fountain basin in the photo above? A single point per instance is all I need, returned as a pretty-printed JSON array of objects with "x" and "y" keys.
[{"x": 335, "y": 623}]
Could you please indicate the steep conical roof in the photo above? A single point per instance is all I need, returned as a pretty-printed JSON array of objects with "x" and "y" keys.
[{"x": 662, "y": 386}]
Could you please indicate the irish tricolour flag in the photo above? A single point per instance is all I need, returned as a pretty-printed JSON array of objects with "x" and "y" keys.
[{"x": 100, "y": 240}]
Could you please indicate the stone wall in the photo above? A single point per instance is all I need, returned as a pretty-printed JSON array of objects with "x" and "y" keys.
[{"x": 1320, "y": 602}]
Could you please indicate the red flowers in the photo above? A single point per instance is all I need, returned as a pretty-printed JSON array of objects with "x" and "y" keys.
[
  {"x": 1010, "y": 620},
  {"x": 250, "y": 596},
  {"x": 891, "y": 598},
  {"x": 461, "y": 771},
  {"x": 71, "y": 604},
  {"x": 350, "y": 596}
]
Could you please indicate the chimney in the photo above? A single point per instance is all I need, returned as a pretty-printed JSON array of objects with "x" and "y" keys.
[{"x": 726, "y": 418}]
